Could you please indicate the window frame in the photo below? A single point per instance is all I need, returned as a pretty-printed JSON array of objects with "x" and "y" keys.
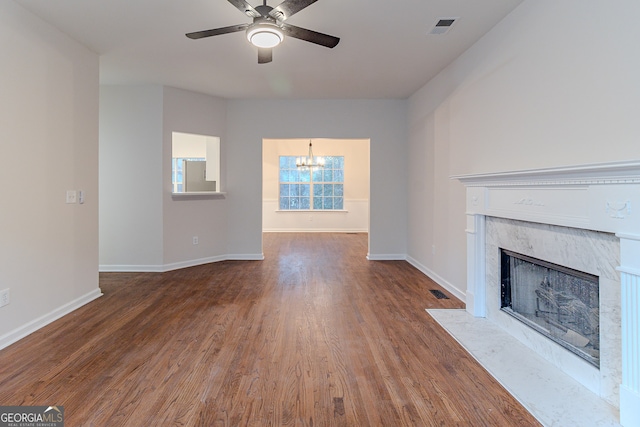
[{"x": 313, "y": 185}]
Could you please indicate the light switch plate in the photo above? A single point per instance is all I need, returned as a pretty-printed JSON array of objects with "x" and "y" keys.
[{"x": 4, "y": 297}]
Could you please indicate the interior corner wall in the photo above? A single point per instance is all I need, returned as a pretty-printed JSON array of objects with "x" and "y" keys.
[
  {"x": 421, "y": 170},
  {"x": 205, "y": 218},
  {"x": 48, "y": 145},
  {"x": 553, "y": 84},
  {"x": 384, "y": 122},
  {"x": 131, "y": 178}
]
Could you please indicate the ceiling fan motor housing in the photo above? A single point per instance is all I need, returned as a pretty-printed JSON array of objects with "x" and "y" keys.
[
  {"x": 269, "y": 27},
  {"x": 263, "y": 10}
]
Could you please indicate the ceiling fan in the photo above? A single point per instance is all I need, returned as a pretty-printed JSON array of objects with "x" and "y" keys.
[{"x": 269, "y": 28}]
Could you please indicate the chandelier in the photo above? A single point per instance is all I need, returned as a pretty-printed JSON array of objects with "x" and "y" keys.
[{"x": 310, "y": 161}]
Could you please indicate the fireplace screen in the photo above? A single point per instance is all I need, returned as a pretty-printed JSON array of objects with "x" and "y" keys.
[{"x": 559, "y": 302}]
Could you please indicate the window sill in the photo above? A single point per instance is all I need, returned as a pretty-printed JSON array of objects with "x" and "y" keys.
[
  {"x": 199, "y": 195},
  {"x": 313, "y": 210}
]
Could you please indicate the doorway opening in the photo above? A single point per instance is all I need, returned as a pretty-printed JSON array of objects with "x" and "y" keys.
[{"x": 333, "y": 198}]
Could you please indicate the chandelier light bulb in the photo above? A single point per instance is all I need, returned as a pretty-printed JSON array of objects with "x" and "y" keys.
[{"x": 310, "y": 161}]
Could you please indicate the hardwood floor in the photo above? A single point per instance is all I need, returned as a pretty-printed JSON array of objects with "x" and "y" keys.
[{"x": 314, "y": 335}]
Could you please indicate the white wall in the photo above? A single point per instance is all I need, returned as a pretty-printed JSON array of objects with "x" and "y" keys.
[
  {"x": 553, "y": 84},
  {"x": 131, "y": 178},
  {"x": 48, "y": 144},
  {"x": 206, "y": 218},
  {"x": 354, "y": 218},
  {"x": 382, "y": 121},
  {"x": 188, "y": 145}
]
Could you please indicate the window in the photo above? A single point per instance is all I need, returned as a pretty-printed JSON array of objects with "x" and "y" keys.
[
  {"x": 195, "y": 163},
  {"x": 320, "y": 189}
]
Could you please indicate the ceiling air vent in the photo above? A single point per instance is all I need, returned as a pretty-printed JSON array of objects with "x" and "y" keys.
[{"x": 443, "y": 25}]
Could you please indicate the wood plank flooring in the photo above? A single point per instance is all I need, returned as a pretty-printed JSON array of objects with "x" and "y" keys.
[{"x": 314, "y": 335}]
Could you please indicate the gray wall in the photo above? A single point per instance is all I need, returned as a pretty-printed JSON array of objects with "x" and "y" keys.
[
  {"x": 191, "y": 112},
  {"x": 553, "y": 84},
  {"x": 382, "y": 121},
  {"x": 131, "y": 177},
  {"x": 48, "y": 145},
  {"x": 142, "y": 227}
]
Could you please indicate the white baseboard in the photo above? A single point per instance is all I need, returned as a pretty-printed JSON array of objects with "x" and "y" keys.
[
  {"x": 245, "y": 257},
  {"x": 320, "y": 230},
  {"x": 436, "y": 278},
  {"x": 192, "y": 263},
  {"x": 178, "y": 265},
  {"x": 106, "y": 268},
  {"x": 30, "y": 327},
  {"x": 386, "y": 257}
]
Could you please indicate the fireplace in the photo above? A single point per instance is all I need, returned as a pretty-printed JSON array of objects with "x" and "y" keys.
[
  {"x": 560, "y": 303},
  {"x": 580, "y": 217},
  {"x": 583, "y": 253}
]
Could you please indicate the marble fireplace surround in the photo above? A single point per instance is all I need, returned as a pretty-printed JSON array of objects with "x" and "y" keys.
[
  {"x": 589, "y": 251},
  {"x": 584, "y": 217}
]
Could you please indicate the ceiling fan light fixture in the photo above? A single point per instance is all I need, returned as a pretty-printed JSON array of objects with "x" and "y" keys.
[
  {"x": 268, "y": 27},
  {"x": 265, "y": 35}
]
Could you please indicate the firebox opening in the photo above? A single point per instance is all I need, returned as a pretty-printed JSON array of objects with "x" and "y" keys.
[{"x": 561, "y": 303}]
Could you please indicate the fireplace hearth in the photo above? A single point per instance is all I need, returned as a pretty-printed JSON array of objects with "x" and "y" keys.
[{"x": 559, "y": 302}]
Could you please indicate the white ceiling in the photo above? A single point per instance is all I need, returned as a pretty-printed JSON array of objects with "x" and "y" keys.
[{"x": 384, "y": 52}]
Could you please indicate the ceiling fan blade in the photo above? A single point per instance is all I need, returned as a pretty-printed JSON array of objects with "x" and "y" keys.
[
  {"x": 289, "y": 7},
  {"x": 217, "y": 31},
  {"x": 265, "y": 55},
  {"x": 245, "y": 8},
  {"x": 310, "y": 36}
]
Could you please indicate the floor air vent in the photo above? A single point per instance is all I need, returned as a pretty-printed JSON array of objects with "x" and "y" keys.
[{"x": 438, "y": 294}]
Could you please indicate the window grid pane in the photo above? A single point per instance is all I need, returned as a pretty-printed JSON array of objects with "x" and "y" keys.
[{"x": 298, "y": 187}]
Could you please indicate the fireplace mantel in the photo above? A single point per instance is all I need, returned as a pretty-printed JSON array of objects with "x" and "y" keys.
[
  {"x": 596, "y": 197},
  {"x": 599, "y": 173},
  {"x": 599, "y": 197}
]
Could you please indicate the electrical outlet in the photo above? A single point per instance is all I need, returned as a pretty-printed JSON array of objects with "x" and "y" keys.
[
  {"x": 195, "y": 240},
  {"x": 4, "y": 297},
  {"x": 433, "y": 249},
  {"x": 71, "y": 196}
]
